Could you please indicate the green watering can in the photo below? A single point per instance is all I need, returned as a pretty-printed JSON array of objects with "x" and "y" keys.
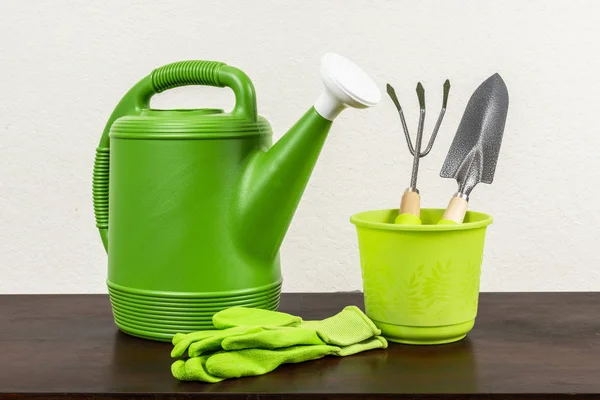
[{"x": 193, "y": 205}]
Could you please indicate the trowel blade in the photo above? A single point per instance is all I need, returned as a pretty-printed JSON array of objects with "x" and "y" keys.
[{"x": 473, "y": 155}]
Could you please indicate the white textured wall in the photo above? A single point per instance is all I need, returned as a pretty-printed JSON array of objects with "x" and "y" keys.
[{"x": 65, "y": 64}]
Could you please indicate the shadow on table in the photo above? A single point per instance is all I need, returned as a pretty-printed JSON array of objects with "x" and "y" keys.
[{"x": 140, "y": 364}]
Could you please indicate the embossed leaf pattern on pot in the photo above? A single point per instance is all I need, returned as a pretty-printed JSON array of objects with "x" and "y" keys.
[
  {"x": 411, "y": 292},
  {"x": 438, "y": 294},
  {"x": 437, "y": 289}
]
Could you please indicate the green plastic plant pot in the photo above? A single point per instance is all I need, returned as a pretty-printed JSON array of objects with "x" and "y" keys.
[{"x": 421, "y": 282}]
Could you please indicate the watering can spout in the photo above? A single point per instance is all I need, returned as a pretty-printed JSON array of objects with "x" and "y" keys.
[{"x": 276, "y": 178}]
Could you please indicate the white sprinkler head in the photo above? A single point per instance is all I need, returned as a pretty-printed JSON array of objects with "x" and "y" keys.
[{"x": 346, "y": 85}]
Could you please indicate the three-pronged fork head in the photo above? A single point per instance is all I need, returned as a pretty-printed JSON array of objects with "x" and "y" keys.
[{"x": 415, "y": 150}]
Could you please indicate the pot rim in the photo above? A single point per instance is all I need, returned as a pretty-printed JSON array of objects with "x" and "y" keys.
[{"x": 482, "y": 220}]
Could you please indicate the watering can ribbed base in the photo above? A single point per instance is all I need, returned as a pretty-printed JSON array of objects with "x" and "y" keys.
[{"x": 157, "y": 315}]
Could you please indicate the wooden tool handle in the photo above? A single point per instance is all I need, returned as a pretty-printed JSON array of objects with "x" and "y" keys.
[
  {"x": 456, "y": 210},
  {"x": 410, "y": 204},
  {"x": 410, "y": 209}
]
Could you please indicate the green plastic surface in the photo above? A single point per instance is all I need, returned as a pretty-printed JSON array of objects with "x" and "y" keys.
[
  {"x": 421, "y": 282},
  {"x": 407, "y": 219},
  {"x": 194, "y": 204}
]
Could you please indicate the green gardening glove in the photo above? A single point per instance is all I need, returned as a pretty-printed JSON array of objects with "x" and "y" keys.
[
  {"x": 347, "y": 327},
  {"x": 333, "y": 330},
  {"x": 244, "y": 316},
  {"x": 252, "y": 362},
  {"x": 231, "y": 322},
  {"x": 242, "y": 337},
  {"x": 255, "y": 350},
  {"x": 209, "y": 339}
]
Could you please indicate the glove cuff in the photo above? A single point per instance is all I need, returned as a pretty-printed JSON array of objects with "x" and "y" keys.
[{"x": 350, "y": 326}]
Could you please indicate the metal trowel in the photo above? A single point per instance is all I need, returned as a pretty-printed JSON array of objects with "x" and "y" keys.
[{"x": 473, "y": 155}]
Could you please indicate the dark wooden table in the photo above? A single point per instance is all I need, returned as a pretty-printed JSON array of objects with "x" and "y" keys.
[{"x": 524, "y": 345}]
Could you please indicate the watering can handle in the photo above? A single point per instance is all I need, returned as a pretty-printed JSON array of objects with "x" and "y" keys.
[
  {"x": 181, "y": 73},
  {"x": 209, "y": 73}
]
